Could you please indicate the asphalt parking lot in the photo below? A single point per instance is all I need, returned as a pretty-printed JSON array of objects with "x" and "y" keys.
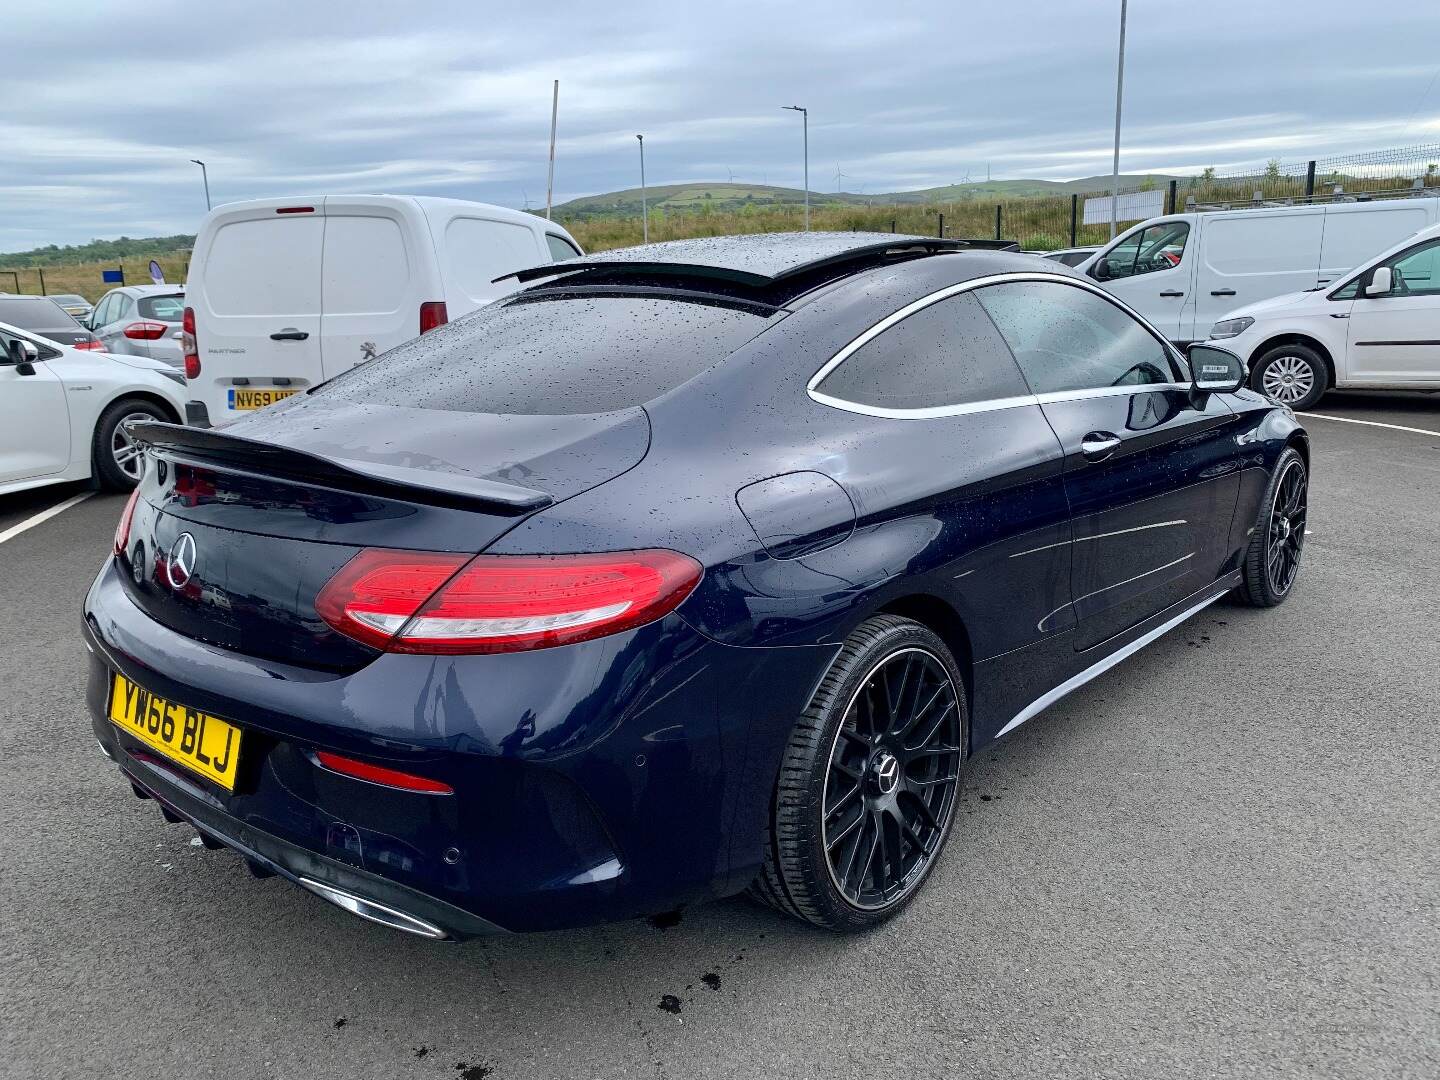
[{"x": 1218, "y": 859}]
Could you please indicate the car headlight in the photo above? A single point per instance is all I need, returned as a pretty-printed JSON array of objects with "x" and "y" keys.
[{"x": 1231, "y": 327}]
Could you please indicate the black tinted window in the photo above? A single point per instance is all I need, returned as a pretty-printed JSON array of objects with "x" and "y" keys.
[
  {"x": 35, "y": 313},
  {"x": 560, "y": 248},
  {"x": 552, "y": 356},
  {"x": 946, "y": 354},
  {"x": 1068, "y": 338}
]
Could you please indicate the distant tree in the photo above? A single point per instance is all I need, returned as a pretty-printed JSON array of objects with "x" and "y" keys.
[
  {"x": 1148, "y": 184},
  {"x": 1272, "y": 169}
]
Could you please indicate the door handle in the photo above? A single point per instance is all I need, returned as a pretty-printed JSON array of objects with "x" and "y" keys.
[
  {"x": 1172, "y": 292},
  {"x": 289, "y": 334},
  {"x": 1222, "y": 292},
  {"x": 1099, "y": 445}
]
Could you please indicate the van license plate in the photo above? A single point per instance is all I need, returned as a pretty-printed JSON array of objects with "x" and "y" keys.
[{"x": 245, "y": 398}]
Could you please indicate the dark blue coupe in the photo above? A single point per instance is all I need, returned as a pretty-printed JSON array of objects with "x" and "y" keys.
[{"x": 684, "y": 570}]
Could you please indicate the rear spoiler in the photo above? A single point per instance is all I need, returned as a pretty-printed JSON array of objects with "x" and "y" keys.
[{"x": 453, "y": 489}]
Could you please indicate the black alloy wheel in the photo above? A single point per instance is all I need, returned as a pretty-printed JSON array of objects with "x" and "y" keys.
[{"x": 1278, "y": 539}]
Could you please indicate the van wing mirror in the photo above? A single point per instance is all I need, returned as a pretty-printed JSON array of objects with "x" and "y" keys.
[
  {"x": 1215, "y": 371},
  {"x": 1380, "y": 283}
]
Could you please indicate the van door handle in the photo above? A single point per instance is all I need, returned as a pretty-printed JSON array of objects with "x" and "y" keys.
[
  {"x": 1172, "y": 292},
  {"x": 1222, "y": 292},
  {"x": 1099, "y": 445},
  {"x": 289, "y": 334}
]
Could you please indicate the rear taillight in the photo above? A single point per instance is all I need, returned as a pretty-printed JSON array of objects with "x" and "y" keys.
[
  {"x": 432, "y": 602},
  {"x": 145, "y": 331},
  {"x": 122, "y": 527},
  {"x": 433, "y": 314},
  {"x": 380, "y": 774},
  {"x": 188, "y": 345},
  {"x": 92, "y": 344}
]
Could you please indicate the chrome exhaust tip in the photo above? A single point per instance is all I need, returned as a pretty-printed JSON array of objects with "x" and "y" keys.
[{"x": 374, "y": 912}]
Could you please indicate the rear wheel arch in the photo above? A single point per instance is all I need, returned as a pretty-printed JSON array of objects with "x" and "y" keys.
[{"x": 940, "y": 617}]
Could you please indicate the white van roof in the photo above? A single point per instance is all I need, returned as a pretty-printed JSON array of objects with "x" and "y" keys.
[{"x": 430, "y": 206}]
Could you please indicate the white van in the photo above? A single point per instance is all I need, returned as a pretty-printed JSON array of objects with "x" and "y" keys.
[
  {"x": 285, "y": 293},
  {"x": 1184, "y": 271}
]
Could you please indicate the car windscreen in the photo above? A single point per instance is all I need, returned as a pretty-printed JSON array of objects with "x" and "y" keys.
[
  {"x": 37, "y": 313},
  {"x": 165, "y": 308},
  {"x": 570, "y": 353},
  {"x": 74, "y": 299}
]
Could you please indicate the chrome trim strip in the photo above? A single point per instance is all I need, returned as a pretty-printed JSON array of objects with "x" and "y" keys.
[
  {"x": 374, "y": 912},
  {"x": 1102, "y": 536},
  {"x": 994, "y": 403},
  {"x": 1100, "y": 667}
]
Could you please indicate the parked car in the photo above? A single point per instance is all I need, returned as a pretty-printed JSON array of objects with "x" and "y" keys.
[
  {"x": 63, "y": 411},
  {"x": 1072, "y": 256},
  {"x": 1377, "y": 329},
  {"x": 41, "y": 315},
  {"x": 73, "y": 304},
  {"x": 285, "y": 293},
  {"x": 142, "y": 320},
  {"x": 1185, "y": 271},
  {"x": 689, "y": 567}
]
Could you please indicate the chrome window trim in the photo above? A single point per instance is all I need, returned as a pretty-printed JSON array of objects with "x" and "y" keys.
[{"x": 992, "y": 404}]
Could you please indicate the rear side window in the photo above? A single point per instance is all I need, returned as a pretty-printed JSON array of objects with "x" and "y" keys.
[
  {"x": 560, "y": 248},
  {"x": 367, "y": 271},
  {"x": 478, "y": 251},
  {"x": 552, "y": 356},
  {"x": 1067, "y": 338},
  {"x": 265, "y": 266},
  {"x": 946, "y": 354},
  {"x": 168, "y": 308}
]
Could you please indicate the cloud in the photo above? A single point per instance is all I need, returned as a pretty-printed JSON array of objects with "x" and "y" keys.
[{"x": 450, "y": 98}]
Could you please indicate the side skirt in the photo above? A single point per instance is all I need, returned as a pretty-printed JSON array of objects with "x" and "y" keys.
[{"x": 1216, "y": 591}]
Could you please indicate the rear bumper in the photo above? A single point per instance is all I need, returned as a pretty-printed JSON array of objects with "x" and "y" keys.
[
  {"x": 593, "y": 782},
  {"x": 197, "y": 414}
]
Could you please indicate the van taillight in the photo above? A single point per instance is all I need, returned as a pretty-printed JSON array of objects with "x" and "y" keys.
[
  {"x": 433, "y": 314},
  {"x": 188, "y": 344}
]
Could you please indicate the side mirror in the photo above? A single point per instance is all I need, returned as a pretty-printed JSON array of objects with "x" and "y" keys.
[
  {"x": 1101, "y": 270},
  {"x": 1380, "y": 281},
  {"x": 1215, "y": 371},
  {"x": 22, "y": 354}
]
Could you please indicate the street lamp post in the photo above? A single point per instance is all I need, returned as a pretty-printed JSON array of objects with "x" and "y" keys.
[
  {"x": 644, "y": 203},
  {"x": 805, "y": 121},
  {"x": 1119, "y": 95},
  {"x": 204, "y": 175}
]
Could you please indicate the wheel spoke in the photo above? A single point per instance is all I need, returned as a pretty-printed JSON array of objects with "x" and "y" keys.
[{"x": 840, "y": 837}]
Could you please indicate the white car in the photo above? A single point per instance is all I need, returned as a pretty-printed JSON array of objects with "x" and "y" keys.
[
  {"x": 63, "y": 411},
  {"x": 1378, "y": 329}
]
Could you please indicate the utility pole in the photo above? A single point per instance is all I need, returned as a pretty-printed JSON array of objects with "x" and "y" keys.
[
  {"x": 644, "y": 203},
  {"x": 550, "y": 180},
  {"x": 805, "y": 120},
  {"x": 205, "y": 176},
  {"x": 1119, "y": 97}
]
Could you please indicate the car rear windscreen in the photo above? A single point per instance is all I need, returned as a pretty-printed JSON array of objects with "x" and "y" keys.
[
  {"x": 551, "y": 356},
  {"x": 165, "y": 308},
  {"x": 35, "y": 313}
]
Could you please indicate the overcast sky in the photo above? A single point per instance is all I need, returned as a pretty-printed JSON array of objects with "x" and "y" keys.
[{"x": 105, "y": 103}]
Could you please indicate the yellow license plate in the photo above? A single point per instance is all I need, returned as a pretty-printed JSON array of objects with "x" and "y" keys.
[
  {"x": 202, "y": 743},
  {"x": 256, "y": 399}
]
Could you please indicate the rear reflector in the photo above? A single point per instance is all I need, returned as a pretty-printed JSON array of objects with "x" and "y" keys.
[
  {"x": 431, "y": 602},
  {"x": 294, "y": 209},
  {"x": 433, "y": 314},
  {"x": 188, "y": 344},
  {"x": 145, "y": 331},
  {"x": 122, "y": 528},
  {"x": 379, "y": 774},
  {"x": 92, "y": 345}
]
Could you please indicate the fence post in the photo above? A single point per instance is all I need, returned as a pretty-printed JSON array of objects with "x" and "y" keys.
[
  {"x": 1170, "y": 200},
  {"x": 892, "y": 224},
  {"x": 1309, "y": 179},
  {"x": 1074, "y": 215},
  {"x": 41, "y": 271},
  {"x": 941, "y": 233},
  {"x": 997, "y": 220}
]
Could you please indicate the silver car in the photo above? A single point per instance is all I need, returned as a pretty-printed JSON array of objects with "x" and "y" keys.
[{"x": 142, "y": 320}]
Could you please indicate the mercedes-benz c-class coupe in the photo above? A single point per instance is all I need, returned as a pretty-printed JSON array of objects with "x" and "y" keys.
[{"x": 683, "y": 570}]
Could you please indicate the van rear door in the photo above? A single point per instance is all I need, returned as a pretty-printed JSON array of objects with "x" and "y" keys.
[
  {"x": 379, "y": 267},
  {"x": 1252, "y": 255},
  {"x": 256, "y": 295}
]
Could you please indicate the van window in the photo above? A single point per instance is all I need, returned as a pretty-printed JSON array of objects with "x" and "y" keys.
[
  {"x": 478, "y": 251},
  {"x": 1353, "y": 236},
  {"x": 560, "y": 248},
  {"x": 1255, "y": 243},
  {"x": 265, "y": 266},
  {"x": 1156, "y": 247},
  {"x": 367, "y": 271},
  {"x": 554, "y": 355}
]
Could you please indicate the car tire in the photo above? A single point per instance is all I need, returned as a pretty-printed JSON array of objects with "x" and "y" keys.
[
  {"x": 1277, "y": 539},
  {"x": 905, "y": 771},
  {"x": 111, "y": 452},
  {"x": 1293, "y": 375}
]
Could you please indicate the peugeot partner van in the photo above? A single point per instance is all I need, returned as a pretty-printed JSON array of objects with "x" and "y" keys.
[
  {"x": 285, "y": 293},
  {"x": 1183, "y": 272}
]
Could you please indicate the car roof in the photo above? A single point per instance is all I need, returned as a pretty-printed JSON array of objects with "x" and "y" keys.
[
  {"x": 151, "y": 290},
  {"x": 756, "y": 260}
]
